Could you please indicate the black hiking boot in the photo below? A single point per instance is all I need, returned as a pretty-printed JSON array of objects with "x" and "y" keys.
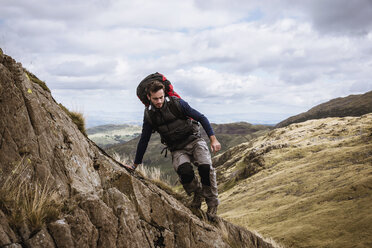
[
  {"x": 212, "y": 213},
  {"x": 197, "y": 201}
]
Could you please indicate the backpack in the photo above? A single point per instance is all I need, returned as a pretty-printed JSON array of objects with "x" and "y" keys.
[{"x": 141, "y": 88}]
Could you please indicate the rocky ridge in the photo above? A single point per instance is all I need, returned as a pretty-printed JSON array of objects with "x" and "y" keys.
[
  {"x": 103, "y": 204},
  {"x": 353, "y": 105}
]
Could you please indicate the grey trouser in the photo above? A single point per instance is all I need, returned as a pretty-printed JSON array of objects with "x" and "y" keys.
[{"x": 197, "y": 153}]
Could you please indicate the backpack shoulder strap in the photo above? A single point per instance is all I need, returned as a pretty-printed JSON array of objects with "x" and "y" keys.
[
  {"x": 176, "y": 108},
  {"x": 150, "y": 118}
]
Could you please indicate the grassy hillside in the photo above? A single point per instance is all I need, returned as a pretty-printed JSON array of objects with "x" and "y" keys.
[
  {"x": 106, "y": 135},
  {"x": 353, "y": 105},
  {"x": 228, "y": 135},
  {"x": 305, "y": 185}
]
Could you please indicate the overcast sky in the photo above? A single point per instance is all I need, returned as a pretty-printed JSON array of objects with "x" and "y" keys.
[{"x": 255, "y": 61}]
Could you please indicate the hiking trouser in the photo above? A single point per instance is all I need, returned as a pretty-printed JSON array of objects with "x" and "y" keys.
[{"x": 197, "y": 153}]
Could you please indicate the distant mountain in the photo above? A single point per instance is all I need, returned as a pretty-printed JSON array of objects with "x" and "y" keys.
[
  {"x": 305, "y": 185},
  {"x": 229, "y": 135},
  {"x": 353, "y": 105},
  {"x": 106, "y": 128},
  {"x": 106, "y": 135}
]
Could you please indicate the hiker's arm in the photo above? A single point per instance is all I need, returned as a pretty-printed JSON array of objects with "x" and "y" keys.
[
  {"x": 196, "y": 115},
  {"x": 143, "y": 142}
]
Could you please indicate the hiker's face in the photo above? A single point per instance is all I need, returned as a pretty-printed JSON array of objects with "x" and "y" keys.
[{"x": 157, "y": 98}]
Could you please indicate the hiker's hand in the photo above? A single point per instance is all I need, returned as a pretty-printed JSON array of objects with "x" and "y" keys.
[
  {"x": 131, "y": 167},
  {"x": 215, "y": 145}
]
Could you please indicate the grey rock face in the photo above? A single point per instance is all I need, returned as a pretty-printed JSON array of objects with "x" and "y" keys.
[{"x": 107, "y": 205}]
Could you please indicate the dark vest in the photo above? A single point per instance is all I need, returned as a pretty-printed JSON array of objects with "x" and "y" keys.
[{"x": 176, "y": 130}]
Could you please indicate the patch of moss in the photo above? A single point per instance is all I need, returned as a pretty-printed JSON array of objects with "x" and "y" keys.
[
  {"x": 34, "y": 79},
  {"x": 68, "y": 207},
  {"x": 228, "y": 185},
  {"x": 77, "y": 118}
]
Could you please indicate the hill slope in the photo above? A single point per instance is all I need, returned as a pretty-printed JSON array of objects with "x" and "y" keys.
[
  {"x": 353, "y": 105},
  {"x": 58, "y": 189},
  {"x": 306, "y": 185}
]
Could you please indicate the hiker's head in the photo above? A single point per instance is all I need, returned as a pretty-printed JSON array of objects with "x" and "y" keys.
[{"x": 155, "y": 93}]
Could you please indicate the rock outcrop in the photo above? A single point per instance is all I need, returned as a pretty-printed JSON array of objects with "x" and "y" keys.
[{"x": 103, "y": 205}]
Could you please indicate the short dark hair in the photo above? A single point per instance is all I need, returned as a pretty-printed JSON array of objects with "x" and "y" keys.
[{"x": 154, "y": 86}]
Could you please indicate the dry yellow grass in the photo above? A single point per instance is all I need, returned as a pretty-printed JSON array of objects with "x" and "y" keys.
[
  {"x": 25, "y": 200},
  {"x": 149, "y": 172},
  {"x": 77, "y": 118},
  {"x": 316, "y": 191}
]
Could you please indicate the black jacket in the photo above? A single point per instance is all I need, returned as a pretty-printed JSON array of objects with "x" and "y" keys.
[{"x": 175, "y": 129}]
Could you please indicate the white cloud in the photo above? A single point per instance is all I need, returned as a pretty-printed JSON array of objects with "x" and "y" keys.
[{"x": 202, "y": 82}]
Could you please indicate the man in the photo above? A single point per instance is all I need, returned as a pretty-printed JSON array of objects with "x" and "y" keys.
[{"x": 177, "y": 125}]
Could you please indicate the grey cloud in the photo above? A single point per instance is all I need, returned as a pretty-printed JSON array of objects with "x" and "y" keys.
[
  {"x": 341, "y": 16},
  {"x": 298, "y": 78},
  {"x": 99, "y": 83},
  {"x": 67, "y": 10},
  {"x": 80, "y": 69},
  {"x": 361, "y": 87},
  {"x": 351, "y": 17},
  {"x": 170, "y": 15},
  {"x": 334, "y": 17},
  {"x": 78, "y": 85}
]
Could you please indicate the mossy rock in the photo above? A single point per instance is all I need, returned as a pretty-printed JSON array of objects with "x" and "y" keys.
[{"x": 34, "y": 79}]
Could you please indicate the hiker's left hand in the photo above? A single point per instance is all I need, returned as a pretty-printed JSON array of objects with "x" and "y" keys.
[{"x": 215, "y": 145}]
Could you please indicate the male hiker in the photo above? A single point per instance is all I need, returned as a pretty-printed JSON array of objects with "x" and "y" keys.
[{"x": 171, "y": 117}]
